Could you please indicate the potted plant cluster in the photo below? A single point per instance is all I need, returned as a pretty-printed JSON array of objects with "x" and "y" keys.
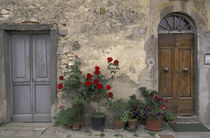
[
  {"x": 90, "y": 87},
  {"x": 155, "y": 110},
  {"x": 93, "y": 87}
]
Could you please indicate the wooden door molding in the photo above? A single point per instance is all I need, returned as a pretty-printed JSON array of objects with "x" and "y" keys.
[{"x": 176, "y": 71}]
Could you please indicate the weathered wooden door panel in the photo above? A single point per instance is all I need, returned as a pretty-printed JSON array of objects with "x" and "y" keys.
[
  {"x": 20, "y": 58},
  {"x": 30, "y": 58},
  {"x": 181, "y": 92},
  {"x": 42, "y": 103},
  {"x": 165, "y": 67},
  {"x": 41, "y": 77}
]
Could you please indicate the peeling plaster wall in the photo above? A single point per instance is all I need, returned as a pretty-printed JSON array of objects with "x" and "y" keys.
[{"x": 123, "y": 29}]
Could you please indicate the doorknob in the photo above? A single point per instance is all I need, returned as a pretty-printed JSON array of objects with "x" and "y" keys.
[
  {"x": 184, "y": 69},
  {"x": 165, "y": 69}
]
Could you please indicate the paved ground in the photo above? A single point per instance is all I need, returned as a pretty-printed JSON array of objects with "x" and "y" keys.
[{"x": 46, "y": 130}]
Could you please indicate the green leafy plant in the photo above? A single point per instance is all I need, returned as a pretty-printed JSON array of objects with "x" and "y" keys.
[
  {"x": 70, "y": 116},
  {"x": 135, "y": 107},
  {"x": 125, "y": 116},
  {"x": 71, "y": 81},
  {"x": 155, "y": 106},
  {"x": 117, "y": 107}
]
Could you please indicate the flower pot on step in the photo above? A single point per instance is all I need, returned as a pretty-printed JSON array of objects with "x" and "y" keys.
[
  {"x": 154, "y": 124},
  {"x": 132, "y": 123},
  {"x": 76, "y": 126},
  {"x": 98, "y": 123},
  {"x": 118, "y": 124}
]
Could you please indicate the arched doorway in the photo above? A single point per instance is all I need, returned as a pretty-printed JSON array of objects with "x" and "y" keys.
[{"x": 176, "y": 44}]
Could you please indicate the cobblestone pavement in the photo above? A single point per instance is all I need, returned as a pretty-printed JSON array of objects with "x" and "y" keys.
[{"x": 46, "y": 130}]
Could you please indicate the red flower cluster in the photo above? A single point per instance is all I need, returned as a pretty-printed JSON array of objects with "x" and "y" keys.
[
  {"x": 61, "y": 77},
  {"x": 60, "y": 86},
  {"x": 110, "y": 94},
  {"x": 109, "y": 59},
  {"x": 89, "y": 76},
  {"x": 116, "y": 62},
  {"x": 108, "y": 87},
  {"x": 164, "y": 107},
  {"x": 96, "y": 81},
  {"x": 88, "y": 83},
  {"x": 99, "y": 86}
]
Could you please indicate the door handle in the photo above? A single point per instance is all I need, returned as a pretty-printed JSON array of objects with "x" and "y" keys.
[
  {"x": 184, "y": 69},
  {"x": 165, "y": 69}
]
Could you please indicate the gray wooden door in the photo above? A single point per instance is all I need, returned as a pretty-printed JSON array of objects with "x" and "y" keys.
[{"x": 30, "y": 75}]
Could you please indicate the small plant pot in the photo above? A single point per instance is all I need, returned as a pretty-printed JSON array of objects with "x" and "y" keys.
[
  {"x": 154, "y": 124},
  {"x": 132, "y": 124},
  {"x": 68, "y": 126},
  {"x": 98, "y": 123},
  {"x": 76, "y": 126},
  {"x": 118, "y": 124}
]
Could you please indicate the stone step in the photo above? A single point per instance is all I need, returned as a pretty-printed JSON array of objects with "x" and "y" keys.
[{"x": 187, "y": 119}]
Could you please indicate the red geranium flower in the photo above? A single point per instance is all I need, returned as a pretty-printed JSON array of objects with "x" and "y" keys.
[
  {"x": 116, "y": 62},
  {"x": 174, "y": 123},
  {"x": 109, "y": 59},
  {"x": 156, "y": 97},
  {"x": 166, "y": 101},
  {"x": 97, "y": 67},
  {"x": 88, "y": 83},
  {"x": 97, "y": 72},
  {"x": 89, "y": 76},
  {"x": 108, "y": 87},
  {"x": 60, "y": 86},
  {"x": 163, "y": 107},
  {"x": 110, "y": 94},
  {"x": 99, "y": 86},
  {"x": 61, "y": 77},
  {"x": 96, "y": 81}
]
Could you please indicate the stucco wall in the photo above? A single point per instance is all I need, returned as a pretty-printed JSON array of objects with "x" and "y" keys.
[{"x": 123, "y": 29}]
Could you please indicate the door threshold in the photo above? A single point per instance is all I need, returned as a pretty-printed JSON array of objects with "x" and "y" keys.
[{"x": 187, "y": 119}]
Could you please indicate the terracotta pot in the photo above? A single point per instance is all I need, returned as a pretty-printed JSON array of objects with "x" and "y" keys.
[
  {"x": 118, "y": 124},
  {"x": 154, "y": 124},
  {"x": 76, "y": 126},
  {"x": 68, "y": 126},
  {"x": 132, "y": 123}
]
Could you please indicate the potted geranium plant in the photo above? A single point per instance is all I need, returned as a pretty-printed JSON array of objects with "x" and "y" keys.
[
  {"x": 155, "y": 110},
  {"x": 97, "y": 87},
  {"x": 119, "y": 108},
  {"x": 135, "y": 107}
]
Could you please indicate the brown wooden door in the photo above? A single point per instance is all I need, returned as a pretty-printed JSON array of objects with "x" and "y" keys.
[{"x": 176, "y": 71}]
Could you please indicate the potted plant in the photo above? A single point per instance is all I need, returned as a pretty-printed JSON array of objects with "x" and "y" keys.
[
  {"x": 135, "y": 107},
  {"x": 71, "y": 117},
  {"x": 155, "y": 110},
  {"x": 96, "y": 88},
  {"x": 118, "y": 107},
  {"x": 64, "y": 118},
  {"x": 77, "y": 116}
]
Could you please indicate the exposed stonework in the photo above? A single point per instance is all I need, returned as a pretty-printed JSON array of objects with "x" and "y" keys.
[{"x": 123, "y": 29}]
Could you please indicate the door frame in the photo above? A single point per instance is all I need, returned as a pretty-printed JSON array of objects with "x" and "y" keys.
[
  {"x": 196, "y": 69},
  {"x": 5, "y": 77}
]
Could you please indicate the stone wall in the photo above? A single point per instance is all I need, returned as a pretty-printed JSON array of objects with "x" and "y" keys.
[{"x": 123, "y": 29}]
